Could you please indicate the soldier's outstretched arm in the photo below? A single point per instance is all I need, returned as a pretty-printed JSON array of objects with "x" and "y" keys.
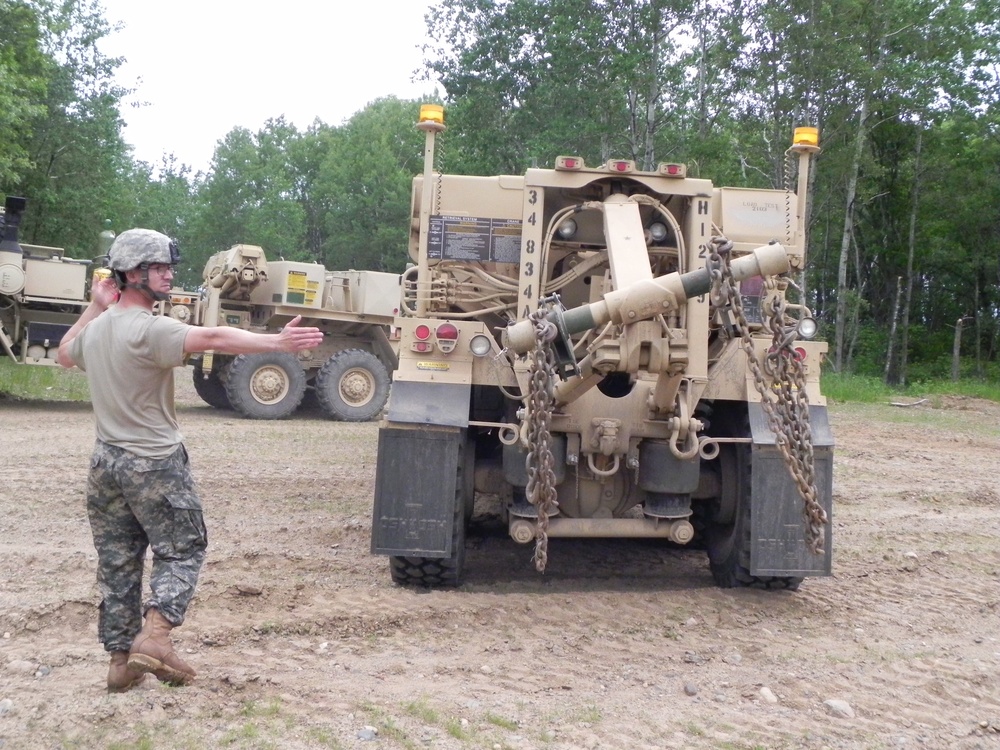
[{"x": 291, "y": 338}]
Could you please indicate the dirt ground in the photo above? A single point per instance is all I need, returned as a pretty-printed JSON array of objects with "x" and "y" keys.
[{"x": 302, "y": 641}]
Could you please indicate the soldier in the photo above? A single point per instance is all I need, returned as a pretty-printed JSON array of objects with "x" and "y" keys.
[{"x": 140, "y": 492}]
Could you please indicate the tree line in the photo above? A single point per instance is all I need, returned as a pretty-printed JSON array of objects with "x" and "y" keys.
[{"x": 904, "y": 223}]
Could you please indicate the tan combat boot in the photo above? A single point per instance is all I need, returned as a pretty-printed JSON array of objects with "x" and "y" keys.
[
  {"x": 120, "y": 677},
  {"x": 153, "y": 652}
]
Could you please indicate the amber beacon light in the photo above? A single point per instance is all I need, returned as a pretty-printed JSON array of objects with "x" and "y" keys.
[
  {"x": 807, "y": 138},
  {"x": 431, "y": 117}
]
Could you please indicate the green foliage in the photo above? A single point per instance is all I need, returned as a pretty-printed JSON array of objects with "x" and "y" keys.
[
  {"x": 76, "y": 151},
  {"x": 718, "y": 86},
  {"x": 249, "y": 196},
  {"x": 23, "y": 86},
  {"x": 366, "y": 178}
]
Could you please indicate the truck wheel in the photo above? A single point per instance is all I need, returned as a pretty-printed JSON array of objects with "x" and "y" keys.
[
  {"x": 433, "y": 571},
  {"x": 728, "y": 534},
  {"x": 441, "y": 571},
  {"x": 266, "y": 386},
  {"x": 211, "y": 389},
  {"x": 352, "y": 386}
]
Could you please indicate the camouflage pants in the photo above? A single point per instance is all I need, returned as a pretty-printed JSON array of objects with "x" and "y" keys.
[{"x": 136, "y": 503}]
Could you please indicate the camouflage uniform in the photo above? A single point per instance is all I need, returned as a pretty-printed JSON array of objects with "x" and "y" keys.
[{"x": 133, "y": 502}]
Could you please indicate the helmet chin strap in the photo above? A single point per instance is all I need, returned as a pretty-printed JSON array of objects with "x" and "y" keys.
[{"x": 145, "y": 288}]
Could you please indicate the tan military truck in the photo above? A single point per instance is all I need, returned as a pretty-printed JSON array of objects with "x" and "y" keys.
[
  {"x": 617, "y": 353},
  {"x": 42, "y": 292},
  {"x": 349, "y": 373}
]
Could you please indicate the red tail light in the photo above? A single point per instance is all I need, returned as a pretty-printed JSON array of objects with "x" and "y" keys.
[
  {"x": 447, "y": 337},
  {"x": 447, "y": 331}
]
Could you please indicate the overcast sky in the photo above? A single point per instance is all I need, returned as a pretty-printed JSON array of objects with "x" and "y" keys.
[{"x": 202, "y": 67}]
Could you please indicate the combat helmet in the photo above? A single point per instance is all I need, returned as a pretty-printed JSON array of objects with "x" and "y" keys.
[{"x": 141, "y": 248}]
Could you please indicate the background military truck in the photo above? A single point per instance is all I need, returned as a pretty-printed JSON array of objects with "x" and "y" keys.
[
  {"x": 42, "y": 292},
  {"x": 349, "y": 373},
  {"x": 612, "y": 351}
]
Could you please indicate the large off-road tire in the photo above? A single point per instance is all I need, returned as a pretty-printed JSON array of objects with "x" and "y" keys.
[
  {"x": 352, "y": 386},
  {"x": 433, "y": 572},
  {"x": 266, "y": 386},
  {"x": 211, "y": 389},
  {"x": 727, "y": 534}
]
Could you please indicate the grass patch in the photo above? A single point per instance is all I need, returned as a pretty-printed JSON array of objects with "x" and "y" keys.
[
  {"x": 503, "y": 723},
  {"x": 695, "y": 730},
  {"x": 252, "y": 708},
  {"x": 420, "y": 710},
  {"x": 41, "y": 382},
  {"x": 387, "y": 726},
  {"x": 846, "y": 387},
  {"x": 455, "y": 728},
  {"x": 590, "y": 714},
  {"x": 143, "y": 743},
  {"x": 324, "y": 737}
]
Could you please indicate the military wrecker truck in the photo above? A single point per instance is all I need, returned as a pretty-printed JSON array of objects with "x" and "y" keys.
[
  {"x": 42, "y": 292},
  {"x": 614, "y": 353},
  {"x": 349, "y": 373}
]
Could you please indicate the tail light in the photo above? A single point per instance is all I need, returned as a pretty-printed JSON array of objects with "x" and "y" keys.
[
  {"x": 447, "y": 337},
  {"x": 421, "y": 333}
]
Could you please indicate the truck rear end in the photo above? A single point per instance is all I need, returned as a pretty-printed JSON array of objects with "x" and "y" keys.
[{"x": 614, "y": 353}]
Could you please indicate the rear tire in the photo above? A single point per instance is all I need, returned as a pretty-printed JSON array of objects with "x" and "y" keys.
[
  {"x": 352, "y": 386},
  {"x": 211, "y": 389},
  {"x": 727, "y": 534},
  {"x": 266, "y": 386}
]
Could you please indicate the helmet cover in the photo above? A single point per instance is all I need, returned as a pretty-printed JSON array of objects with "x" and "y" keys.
[{"x": 137, "y": 247}]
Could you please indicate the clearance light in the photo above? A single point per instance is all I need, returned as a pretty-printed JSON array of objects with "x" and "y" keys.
[
  {"x": 480, "y": 345},
  {"x": 672, "y": 170},
  {"x": 567, "y": 229},
  {"x": 569, "y": 162},
  {"x": 421, "y": 346},
  {"x": 623, "y": 166},
  {"x": 447, "y": 337},
  {"x": 422, "y": 332}
]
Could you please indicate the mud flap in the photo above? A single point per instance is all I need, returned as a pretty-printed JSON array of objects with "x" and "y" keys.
[
  {"x": 415, "y": 492},
  {"x": 777, "y": 534}
]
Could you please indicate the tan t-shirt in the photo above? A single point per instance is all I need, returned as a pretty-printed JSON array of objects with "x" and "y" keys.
[{"x": 129, "y": 355}]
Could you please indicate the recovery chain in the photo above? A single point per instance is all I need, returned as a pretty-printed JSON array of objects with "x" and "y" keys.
[
  {"x": 541, "y": 487},
  {"x": 786, "y": 405}
]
